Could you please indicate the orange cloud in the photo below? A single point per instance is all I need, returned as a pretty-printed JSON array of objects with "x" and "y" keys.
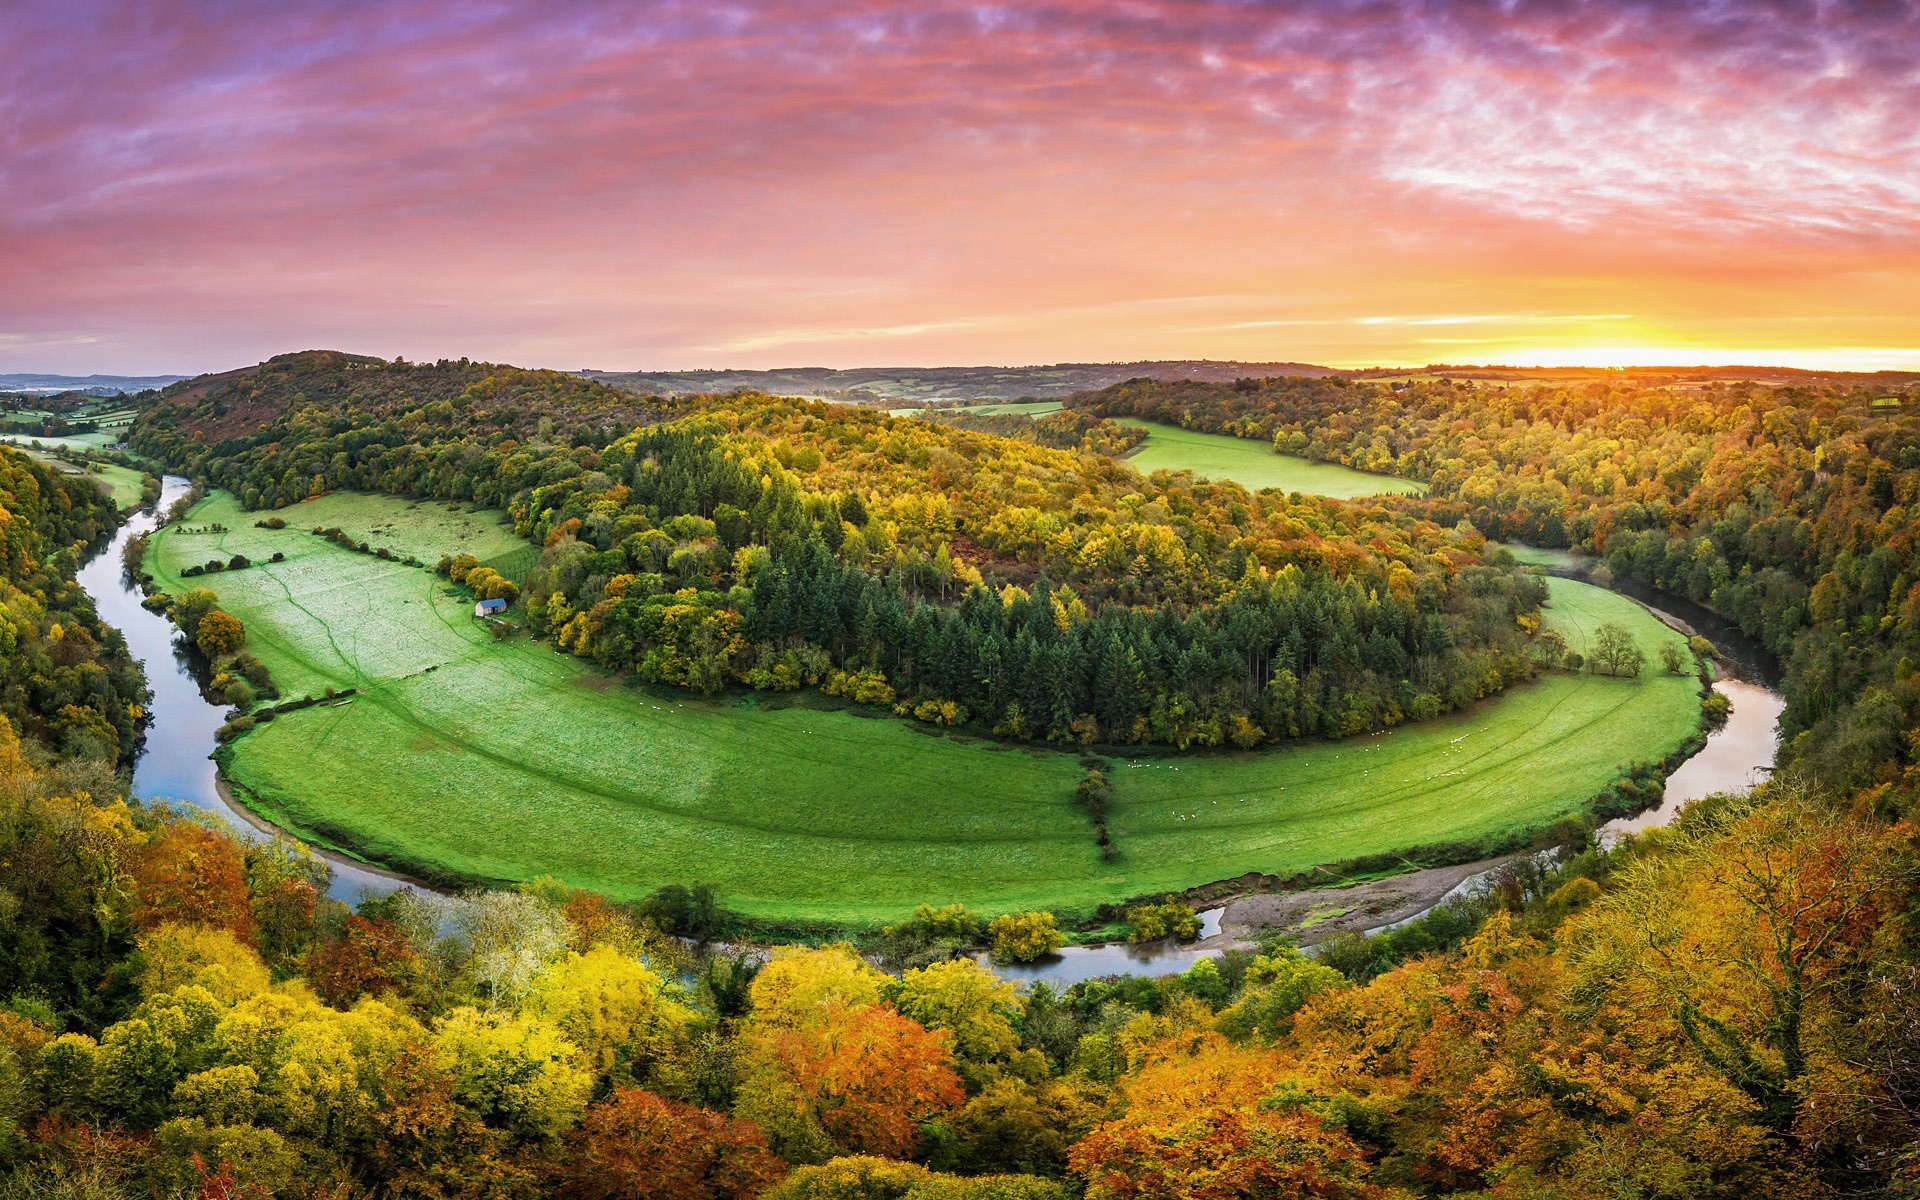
[{"x": 191, "y": 185}]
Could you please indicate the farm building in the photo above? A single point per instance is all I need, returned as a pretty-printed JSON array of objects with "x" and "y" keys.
[{"x": 487, "y": 608}]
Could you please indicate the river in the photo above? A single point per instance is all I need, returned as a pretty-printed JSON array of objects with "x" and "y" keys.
[{"x": 175, "y": 764}]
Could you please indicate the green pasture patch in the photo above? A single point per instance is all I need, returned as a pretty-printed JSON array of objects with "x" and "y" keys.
[
  {"x": 78, "y": 441},
  {"x": 504, "y": 761},
  {"x": 1540, "y": 556},
  {"x": 1252, "y": 463},
  {"x": 1031, "y": 409},
  {"x": 122, "y": 483}
]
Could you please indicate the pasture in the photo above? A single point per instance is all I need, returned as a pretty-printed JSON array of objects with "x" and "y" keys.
[
  {"x": 465, "y": 757},
  {"x": 1031, "y": 408},
  {"x": 1253, "y": 464},
  {"x": 122, "y": 483}
]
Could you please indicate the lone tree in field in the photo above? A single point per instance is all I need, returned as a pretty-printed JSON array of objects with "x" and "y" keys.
[
  {"x": 1673, "y": 658},
  {"x": 1614, "y": 651}
]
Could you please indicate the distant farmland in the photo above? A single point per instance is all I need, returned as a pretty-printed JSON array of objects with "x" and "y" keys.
[{"x": 1253, "y": 464}]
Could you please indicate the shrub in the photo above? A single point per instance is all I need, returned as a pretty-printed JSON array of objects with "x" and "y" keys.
[
  {"x": 233, "y": 729},
  {"x": 1169, "y": 918},
  {"x": 1024, "y": 936}
]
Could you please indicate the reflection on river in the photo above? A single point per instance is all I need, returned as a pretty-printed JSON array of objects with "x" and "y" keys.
[{"x": 176, "y": 764}]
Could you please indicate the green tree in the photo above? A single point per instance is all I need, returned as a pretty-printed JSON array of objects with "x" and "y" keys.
[{"x": 1615, "y": 652}]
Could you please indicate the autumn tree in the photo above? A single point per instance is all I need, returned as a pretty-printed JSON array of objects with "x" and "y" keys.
[
  {"x": 1752, "y": 933},
  {"x": 516, "y": 1072},
  {"x": 800, "y": 986},
  {"x": 1024, "y": 936},
  {"x": 192, "y": 875},
  {"x": 219, "y": 634},
  {"x": 970, "y": 1003},
  {"x": 613, "y": 1008},
  {"x": 849, "y": 1081},
  {"x": 1208, "y": 1120},
  {"x": 371, "y": 956},
  {"x": 639, "y": 1146}
]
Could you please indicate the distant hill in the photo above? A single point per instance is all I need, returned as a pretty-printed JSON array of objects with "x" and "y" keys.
[
  {"x": 933, "y": 385},
  {"x": 91, "y": 385}
]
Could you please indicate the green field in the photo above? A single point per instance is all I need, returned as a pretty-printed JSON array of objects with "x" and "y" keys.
[
  {"x": 122, "y": 483},
  {"x": 1032, "y": 409},
  {"x": 79, "y": 441},
  {"x": 1540, "y": 556},
  {"x": 506, "y": 760},
  {"x": 1253, "y": 464}
]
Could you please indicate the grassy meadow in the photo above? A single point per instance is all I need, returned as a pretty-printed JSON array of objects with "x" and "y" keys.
[
  {"x": 122, "y": 483},
  {"x": 466, "y": 756},
  {"x": 1029, "y": 409},
  {"x": 1253, "y": 464}
]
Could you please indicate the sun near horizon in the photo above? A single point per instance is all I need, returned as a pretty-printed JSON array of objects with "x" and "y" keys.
[{"x": 658, "y": 186}]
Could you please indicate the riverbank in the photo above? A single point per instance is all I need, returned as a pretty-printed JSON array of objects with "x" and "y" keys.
[{"x": 175, "y": 764}]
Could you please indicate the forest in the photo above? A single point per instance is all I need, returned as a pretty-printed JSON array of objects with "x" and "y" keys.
[
  {"x": 65, "y": 678},
  {"x": 1724, "y": 1007},
  {"x": 960, "y": 577},
  {"x": 1790, "y": 511}
]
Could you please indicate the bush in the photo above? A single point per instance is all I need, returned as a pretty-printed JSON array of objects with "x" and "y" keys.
[
  {"x": 233, "y": 729},
  {"x": 931, "y": 935},
  {"x": 271, "y": 523},
  {"x": 1024, "y": 936},
  {"x": 1169, "y": 918}
]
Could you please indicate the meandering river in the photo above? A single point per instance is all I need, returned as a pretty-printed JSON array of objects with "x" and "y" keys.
[{"x": 176, "y": 764}]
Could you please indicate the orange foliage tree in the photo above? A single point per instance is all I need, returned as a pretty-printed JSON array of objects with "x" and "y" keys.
[
  {"x": 852, "y": 1081},
  {"x": 371, "y": 955},
  {"x": 195, "y": 876},
  {"x": 1213, "y": 1121},
  {"x": 638, "y": 1146}
]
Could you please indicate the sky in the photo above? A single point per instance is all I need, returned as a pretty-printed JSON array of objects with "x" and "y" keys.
[{"x": 191, "y": 185}]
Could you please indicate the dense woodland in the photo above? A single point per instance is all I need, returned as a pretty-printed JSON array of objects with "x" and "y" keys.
[
  {"x": 960, "y": 577},
  {"x": 1791, "y": 511},
  {"x": 65, "y": 678},
  {"x": 1722, "y": 1008}
]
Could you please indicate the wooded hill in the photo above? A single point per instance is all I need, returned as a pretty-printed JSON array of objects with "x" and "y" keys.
[
  {"x": 1790, "y": 511},
  {"x": 963, "y": 577},
  {"x": 66, "y": 681}
]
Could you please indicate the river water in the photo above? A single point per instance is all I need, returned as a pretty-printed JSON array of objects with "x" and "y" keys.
[
  {"x": 176, "y": 762},
  {"x": 175, "y": 765}
]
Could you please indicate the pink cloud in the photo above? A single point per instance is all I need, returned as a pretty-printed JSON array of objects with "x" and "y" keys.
[{"x": 199, "y": 183}]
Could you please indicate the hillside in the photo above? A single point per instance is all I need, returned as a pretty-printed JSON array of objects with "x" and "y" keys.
[
  {"x": 291, "y": 395},
  {"x": 931, "y": 385}
]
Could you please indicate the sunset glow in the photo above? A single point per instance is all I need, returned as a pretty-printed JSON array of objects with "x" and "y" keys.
[{"x": 192, "y": 186}]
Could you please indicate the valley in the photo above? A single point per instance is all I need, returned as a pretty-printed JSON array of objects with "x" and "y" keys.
[{"x": 465, "y": 759}]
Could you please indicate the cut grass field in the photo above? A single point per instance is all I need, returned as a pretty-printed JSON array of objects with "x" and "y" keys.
[
  {"x": 1253, "y": 464},
  {"x": 468, "y": 758}
]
